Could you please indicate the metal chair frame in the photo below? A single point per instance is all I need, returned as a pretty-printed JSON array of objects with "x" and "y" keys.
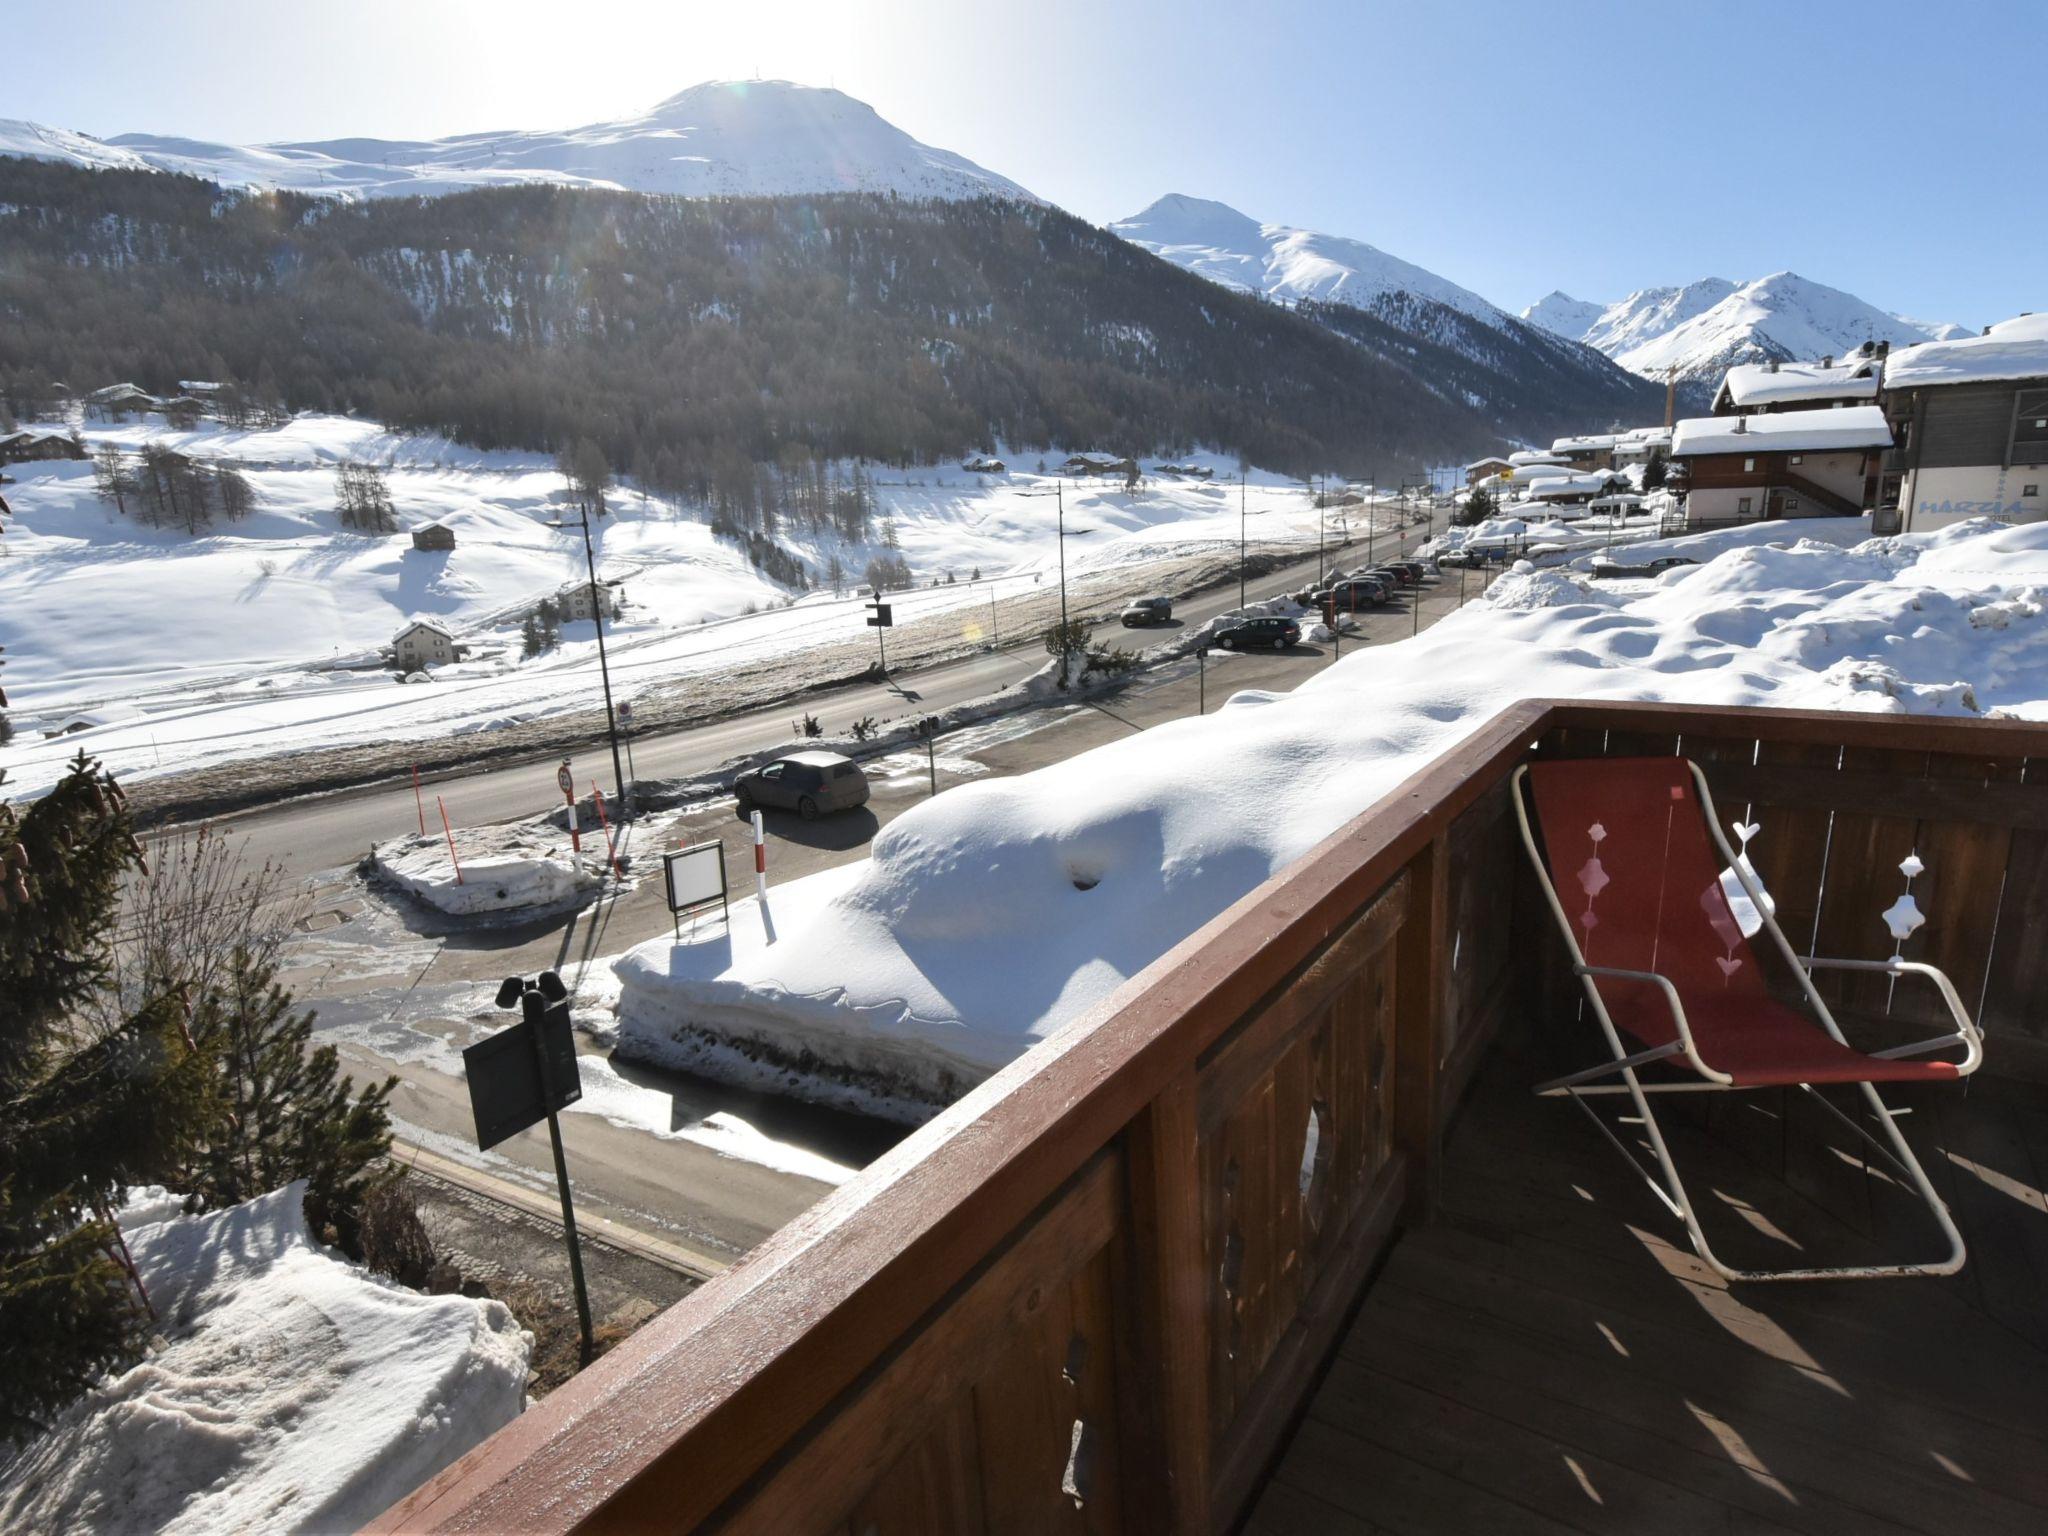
[{"x": 1665, "y": 1183}]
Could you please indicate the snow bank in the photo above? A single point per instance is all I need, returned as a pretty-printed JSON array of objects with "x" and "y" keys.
[
  {"x": 992, "y": 913},
  {"x": 296, "y": 1391},
  {"x": 503, "y": 869}
]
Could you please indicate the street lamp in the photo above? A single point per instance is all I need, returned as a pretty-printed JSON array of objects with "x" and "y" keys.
[{"x": 611, "y": 719}]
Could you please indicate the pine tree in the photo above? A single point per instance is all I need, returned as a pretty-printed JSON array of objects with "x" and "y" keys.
[
  {"x": 1654, "y": 469},
  {"x": 96, "y": 1099},
  {"x": 288, "y": 1115}
]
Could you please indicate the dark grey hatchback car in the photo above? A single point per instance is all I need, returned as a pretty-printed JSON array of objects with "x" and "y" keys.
[{"x": 812, "y": 784}]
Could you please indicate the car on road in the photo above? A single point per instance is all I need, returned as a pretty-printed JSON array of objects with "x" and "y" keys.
[
  {"x": 1605, "y": 568},
  {"x": 1248, "y": 634},
  {"x": 1144, "y": 611},
  {"x": 812, "y": 784}
]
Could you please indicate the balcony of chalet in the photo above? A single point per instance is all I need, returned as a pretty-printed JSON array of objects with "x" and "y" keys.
[{"x": 1279, "y": 1240}]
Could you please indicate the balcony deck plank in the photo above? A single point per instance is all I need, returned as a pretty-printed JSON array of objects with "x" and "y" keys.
[{"x": 1548, "y": 1353}]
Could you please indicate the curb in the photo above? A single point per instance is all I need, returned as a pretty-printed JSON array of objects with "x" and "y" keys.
[{"x": 694, "y": 1264}]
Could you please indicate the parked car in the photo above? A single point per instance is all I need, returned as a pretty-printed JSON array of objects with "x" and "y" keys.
[
  {"x": 1388, "y": 575},
  {"x": 1246, "y": 634},
  {"x": 1454, "y": 559},
  {"x": 1358, "y": 592},
  {"x": 1147, "y": 610},
  {"x": 1414, "y": 568},
  {"x": 812, "y": 784}
]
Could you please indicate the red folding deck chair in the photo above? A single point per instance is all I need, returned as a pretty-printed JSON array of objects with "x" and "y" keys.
[{"x": 1633, "y": 860}]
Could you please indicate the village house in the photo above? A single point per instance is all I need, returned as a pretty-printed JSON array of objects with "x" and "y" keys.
[
  {"x": 118, "y": 401},
  {"x": 433, "y": 536},
  {"x": 572, "y": 600},
  {"x": 1594, "y": 450},
  {"x": 31, "y": 444},
  {"x": 1525, "y": 456},
  {"x": 1755, "y": 389},
  {"x": 1568, "y": 487},
  {"x": 422, "y": 644},
  {"x": 1489, "y": 468},
  {"x": 1639, "y": 446},
  {"x": 1741, "y": 469},
  {"x": 980, "y": 464},
  {"x": 1970, "y": 417}
]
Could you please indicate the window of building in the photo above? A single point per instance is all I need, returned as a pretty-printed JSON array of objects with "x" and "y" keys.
[
  {"x": 1748, "y": 466},
  {"x": 1744, "y": 505},
  {"x": 2029, "y": 443},
  {"x": 1797, "y": 458},
  {"x": 2031, "y": 490}
]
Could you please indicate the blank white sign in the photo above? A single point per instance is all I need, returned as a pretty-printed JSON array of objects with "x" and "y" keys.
[{"x": 695, "y": 875}]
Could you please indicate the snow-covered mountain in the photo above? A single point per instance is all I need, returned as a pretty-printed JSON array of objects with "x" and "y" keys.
[
  {"x": 734, "y": 138},
  {"x": 1283, "y": 262},
  {"x": 1531, "y": 383},
  {"x": 1705, "y": 327}
]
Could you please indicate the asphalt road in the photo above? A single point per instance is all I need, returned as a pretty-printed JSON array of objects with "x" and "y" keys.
[
  {"x": 324, "y": 831},
  {"x": 400, "y": 990}
]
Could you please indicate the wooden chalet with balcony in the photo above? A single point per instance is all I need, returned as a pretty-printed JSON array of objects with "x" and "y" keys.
[
  {"x": 1739, "y": 469},
  {"x": 1277, "y": 1239}
]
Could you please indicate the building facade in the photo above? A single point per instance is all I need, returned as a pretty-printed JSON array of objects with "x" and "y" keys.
[
  {"x": 1970, "y": 418},
  {"x": 1796, "y": 464}
]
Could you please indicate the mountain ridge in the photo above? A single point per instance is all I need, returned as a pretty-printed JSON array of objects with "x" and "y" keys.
[
  {"x": 1533, "y": 384},
  {"x": 1702, "y": 328},
  {"x": 720, "y": 138}
]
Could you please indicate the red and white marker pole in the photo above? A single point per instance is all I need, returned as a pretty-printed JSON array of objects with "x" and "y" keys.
[
  {"x": 568, "y": 788},
  {"x": 761, "y": 875},
  {"x": 449, "y": 833}
]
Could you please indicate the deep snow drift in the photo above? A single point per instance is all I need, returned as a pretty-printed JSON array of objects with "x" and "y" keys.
[
  {"x": 296, "y": 1391},
  {"x": 992, "y": 913}
]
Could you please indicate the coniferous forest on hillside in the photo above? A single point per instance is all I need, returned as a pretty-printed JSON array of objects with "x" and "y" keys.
[{"x": 690, "y": 339}]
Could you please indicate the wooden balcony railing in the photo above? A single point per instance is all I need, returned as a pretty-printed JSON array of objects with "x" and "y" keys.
[{"x": 1093, "y": 1295}]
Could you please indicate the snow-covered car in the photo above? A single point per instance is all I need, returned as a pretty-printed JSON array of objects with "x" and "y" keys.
[
  {"x": 1247, "y": 634},
  {"x": 812, "y": 784},
  {"x": 1146, "y": 610}
]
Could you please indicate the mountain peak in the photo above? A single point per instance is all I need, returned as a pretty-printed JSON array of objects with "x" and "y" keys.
[{"x": 721, "y": 138}]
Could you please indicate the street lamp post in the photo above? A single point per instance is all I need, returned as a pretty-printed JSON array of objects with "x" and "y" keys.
[
  {"x": 1241, "y": 483},
  {"x": 611, "y": 719}
]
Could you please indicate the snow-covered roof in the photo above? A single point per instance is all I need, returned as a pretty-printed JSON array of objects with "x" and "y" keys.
[
  {"x": 1567, "y": 485},
  {"x": 1851, "y": 426},
  {"x": 1535, "y": 456},
  {"x": 1590, "y": 442},
  {"x": 1762, "y": 384},
  {"x": 427, "y": 624},
  {"x": 2012, "y": 349},
  {"x": 1535, "y": 475},
  {"x": 1491, "y": 458},
  {"x": 37, "y": 435}
]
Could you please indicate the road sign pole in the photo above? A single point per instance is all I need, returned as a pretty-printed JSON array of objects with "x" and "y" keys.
[
  {"x": 1201, "y": 679},
  {"x": 534, "y": 1006},
  {"x": 567, "y": 784},
  {"x": 418, "y": 800}
]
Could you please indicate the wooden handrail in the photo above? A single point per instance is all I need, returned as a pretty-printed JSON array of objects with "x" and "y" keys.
[{"x": 680, "y": 1421}]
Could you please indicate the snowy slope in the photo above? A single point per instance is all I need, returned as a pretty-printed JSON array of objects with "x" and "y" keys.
[
  {"x": 1529, "y": 382},
  {"x": 260, "y": 636},
  {"x": 999, "y": 910},
  {"x": 294, "y": 1390},
  {"x": 734, "y": 138},
  {"x": 1705, "y": 327},
  {"x": 1283, "y": 262},
  {"x": 1562, "y": 315}
]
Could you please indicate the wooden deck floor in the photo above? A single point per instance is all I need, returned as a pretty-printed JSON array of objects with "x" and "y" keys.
[{"x": 1548, "y": 1355}]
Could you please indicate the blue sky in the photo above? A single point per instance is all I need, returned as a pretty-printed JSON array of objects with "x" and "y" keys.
[{"x": 1887, "y": 148}]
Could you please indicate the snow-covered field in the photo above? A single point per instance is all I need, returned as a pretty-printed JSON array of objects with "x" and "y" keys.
[
  {"x": 261, "y": 636},
  {"x": 992, "y": 913},
  {"x": 295, "y": 1391}
]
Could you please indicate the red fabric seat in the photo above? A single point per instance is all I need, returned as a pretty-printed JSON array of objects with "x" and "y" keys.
[{"x": 1626, "y": 844}]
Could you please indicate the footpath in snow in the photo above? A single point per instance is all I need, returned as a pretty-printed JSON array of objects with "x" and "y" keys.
[
  {"x": 991, "y": 914},
  {"x": 296, "y": 1391}
]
